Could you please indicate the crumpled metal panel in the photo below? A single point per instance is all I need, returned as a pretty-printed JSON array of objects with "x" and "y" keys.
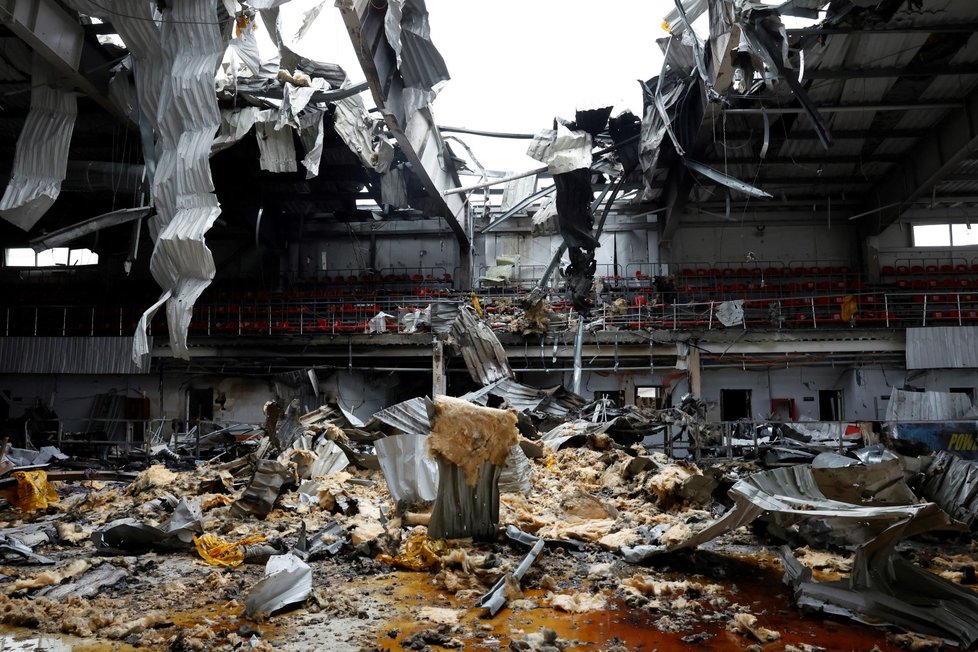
[
  {"x": 275, "y": 145},
  {"x": 409, "y": 469},
  {"x": 182, "y": 187},
  {"x": 287, "y": 580},
  {"x": 942, "y": 347},
  {"x": 419, "y": 62},
  {"x": 561, "y": 149},
  {"x": 952, "y": 483},
  {"x": 410, "y": 417},
  {"x": 357, "y": 129},
  {"x": 311, "y": 131},
  {"x": 554, "y": 400},
  {"x": 235, "y": 125},
  {"x": 176, "y": 56},
  {"x": 41, "y": 157},
  {"x": 483, "y": 354},
  {"x": 927, "y": 406}
]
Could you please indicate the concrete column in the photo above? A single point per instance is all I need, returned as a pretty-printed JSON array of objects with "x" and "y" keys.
[
  {"x": 695, "y": 378},
  {"x": 437, "y": 367}
]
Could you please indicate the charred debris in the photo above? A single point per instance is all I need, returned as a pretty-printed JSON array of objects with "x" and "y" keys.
[{"x": 509, "y": 496}]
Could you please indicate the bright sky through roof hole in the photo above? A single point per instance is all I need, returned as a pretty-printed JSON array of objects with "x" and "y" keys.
[{"x": 516, "y": 64}]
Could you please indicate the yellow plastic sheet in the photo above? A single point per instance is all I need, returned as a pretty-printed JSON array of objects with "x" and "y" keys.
[
  {"x": 417, "y": 553},
  {"x": 33, "y": 491},
  {"x": 218, "y": 552}
]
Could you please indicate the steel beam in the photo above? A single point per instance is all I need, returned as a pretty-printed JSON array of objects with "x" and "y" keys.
[
  {"x": 418, "y": 136},
  {"x": 943, "y": 28},
  {"x": 933, "y": 160},
  {"x": 848, "y": 134},
  {"x": 939, "y": 70},
  {"x": 58, "y": 38}
]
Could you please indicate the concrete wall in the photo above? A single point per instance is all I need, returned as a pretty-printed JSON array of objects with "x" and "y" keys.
[
  {"x": 345, "y": 255},
  {"x": 620, "y": 252},
  {"x": 733, "y": 242}
]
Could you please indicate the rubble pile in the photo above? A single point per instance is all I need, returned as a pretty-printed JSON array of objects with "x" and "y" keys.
[{"x": 435, "y": 522}]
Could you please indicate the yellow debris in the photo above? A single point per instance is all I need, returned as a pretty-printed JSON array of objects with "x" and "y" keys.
[
  {"x": 33, "y": 491},
  {"x": 417, "y": 553},
  {"x": 218, "y": 552}
]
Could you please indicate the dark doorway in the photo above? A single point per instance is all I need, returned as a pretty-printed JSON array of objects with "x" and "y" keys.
[
  {"x": 830, "y": 405},
  {"x": 734, "y": 404},
  {"x": 200, "y": 404}
]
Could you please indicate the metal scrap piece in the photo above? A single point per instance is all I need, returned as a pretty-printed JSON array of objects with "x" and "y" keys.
[
  {"x": 410, "y": 471},
  {"x": 495, "y": 599},
  {"x": 261, "y": 494},
  {"x": 287, "y": 580}
]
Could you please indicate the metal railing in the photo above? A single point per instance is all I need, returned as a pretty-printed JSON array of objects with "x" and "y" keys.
[{"x": 621, "y": 306}]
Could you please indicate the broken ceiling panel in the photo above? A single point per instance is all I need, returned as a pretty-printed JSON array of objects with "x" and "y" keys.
[
  {"x": 182, "y": 188},
  {"x": 421, "y": 66},
  {"x": 361, "y": 133},
  {"x": 276, "y": 145},
  {"x": 311, "y": 133},
  {"x": 41, "y": 157}
]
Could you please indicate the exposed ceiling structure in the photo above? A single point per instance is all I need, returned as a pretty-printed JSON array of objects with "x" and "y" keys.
[
  {"x": 868, "y": 111},
  {"x": 891, "y": 85}
]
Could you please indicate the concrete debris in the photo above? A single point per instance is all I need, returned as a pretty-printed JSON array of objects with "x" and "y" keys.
[{"x": 457, "y": 486}]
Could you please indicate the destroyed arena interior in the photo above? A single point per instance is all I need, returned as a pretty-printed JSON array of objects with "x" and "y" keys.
[{"x": 289, "y": 362}]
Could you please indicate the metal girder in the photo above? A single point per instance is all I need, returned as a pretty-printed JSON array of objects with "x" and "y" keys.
[
  {"x": 934, "y": 159},
  {"x": 59, "y": 39},
  {"x": 940, "y": 70},
  {"x": 849, "y": 134},
  {"x": 419, "y": 138},
  {"x": 803, "y": 160},
  {"x": 944, "y": 28}
]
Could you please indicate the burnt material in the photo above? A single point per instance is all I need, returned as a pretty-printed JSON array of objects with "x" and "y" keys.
[{"x": 576, "y": 223}]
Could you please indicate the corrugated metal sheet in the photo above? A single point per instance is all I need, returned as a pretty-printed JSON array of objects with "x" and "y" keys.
[
  {"x": 410, "y": 417},
  {"x": 41, "y": 157},
  {"x": 927, "y": 406},
  {"x": 553, "y": 400},
  {"x": 182, "y": 186},
  {"x": 484, "y": 355},
  {"x": 67, "y": 355},
  {"x": 276, "y": 146},
  {"x": 942, "y": 347}
]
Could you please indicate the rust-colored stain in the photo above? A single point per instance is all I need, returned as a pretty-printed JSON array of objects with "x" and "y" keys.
[{"x": 634, "y": 629}]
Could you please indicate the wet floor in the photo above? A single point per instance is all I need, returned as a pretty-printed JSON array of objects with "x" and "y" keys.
[{"x": 757, "y": 586}]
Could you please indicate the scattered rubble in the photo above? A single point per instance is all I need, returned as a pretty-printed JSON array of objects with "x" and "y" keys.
[{"x": 509, "y": 496}]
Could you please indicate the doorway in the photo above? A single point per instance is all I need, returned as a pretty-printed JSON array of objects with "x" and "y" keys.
[
  {"x": 830, "y": 405},
  {"x": 783, "y": 409},
  {"x": 200, "y": 405},
  {"x": 735, "y": 404}
]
